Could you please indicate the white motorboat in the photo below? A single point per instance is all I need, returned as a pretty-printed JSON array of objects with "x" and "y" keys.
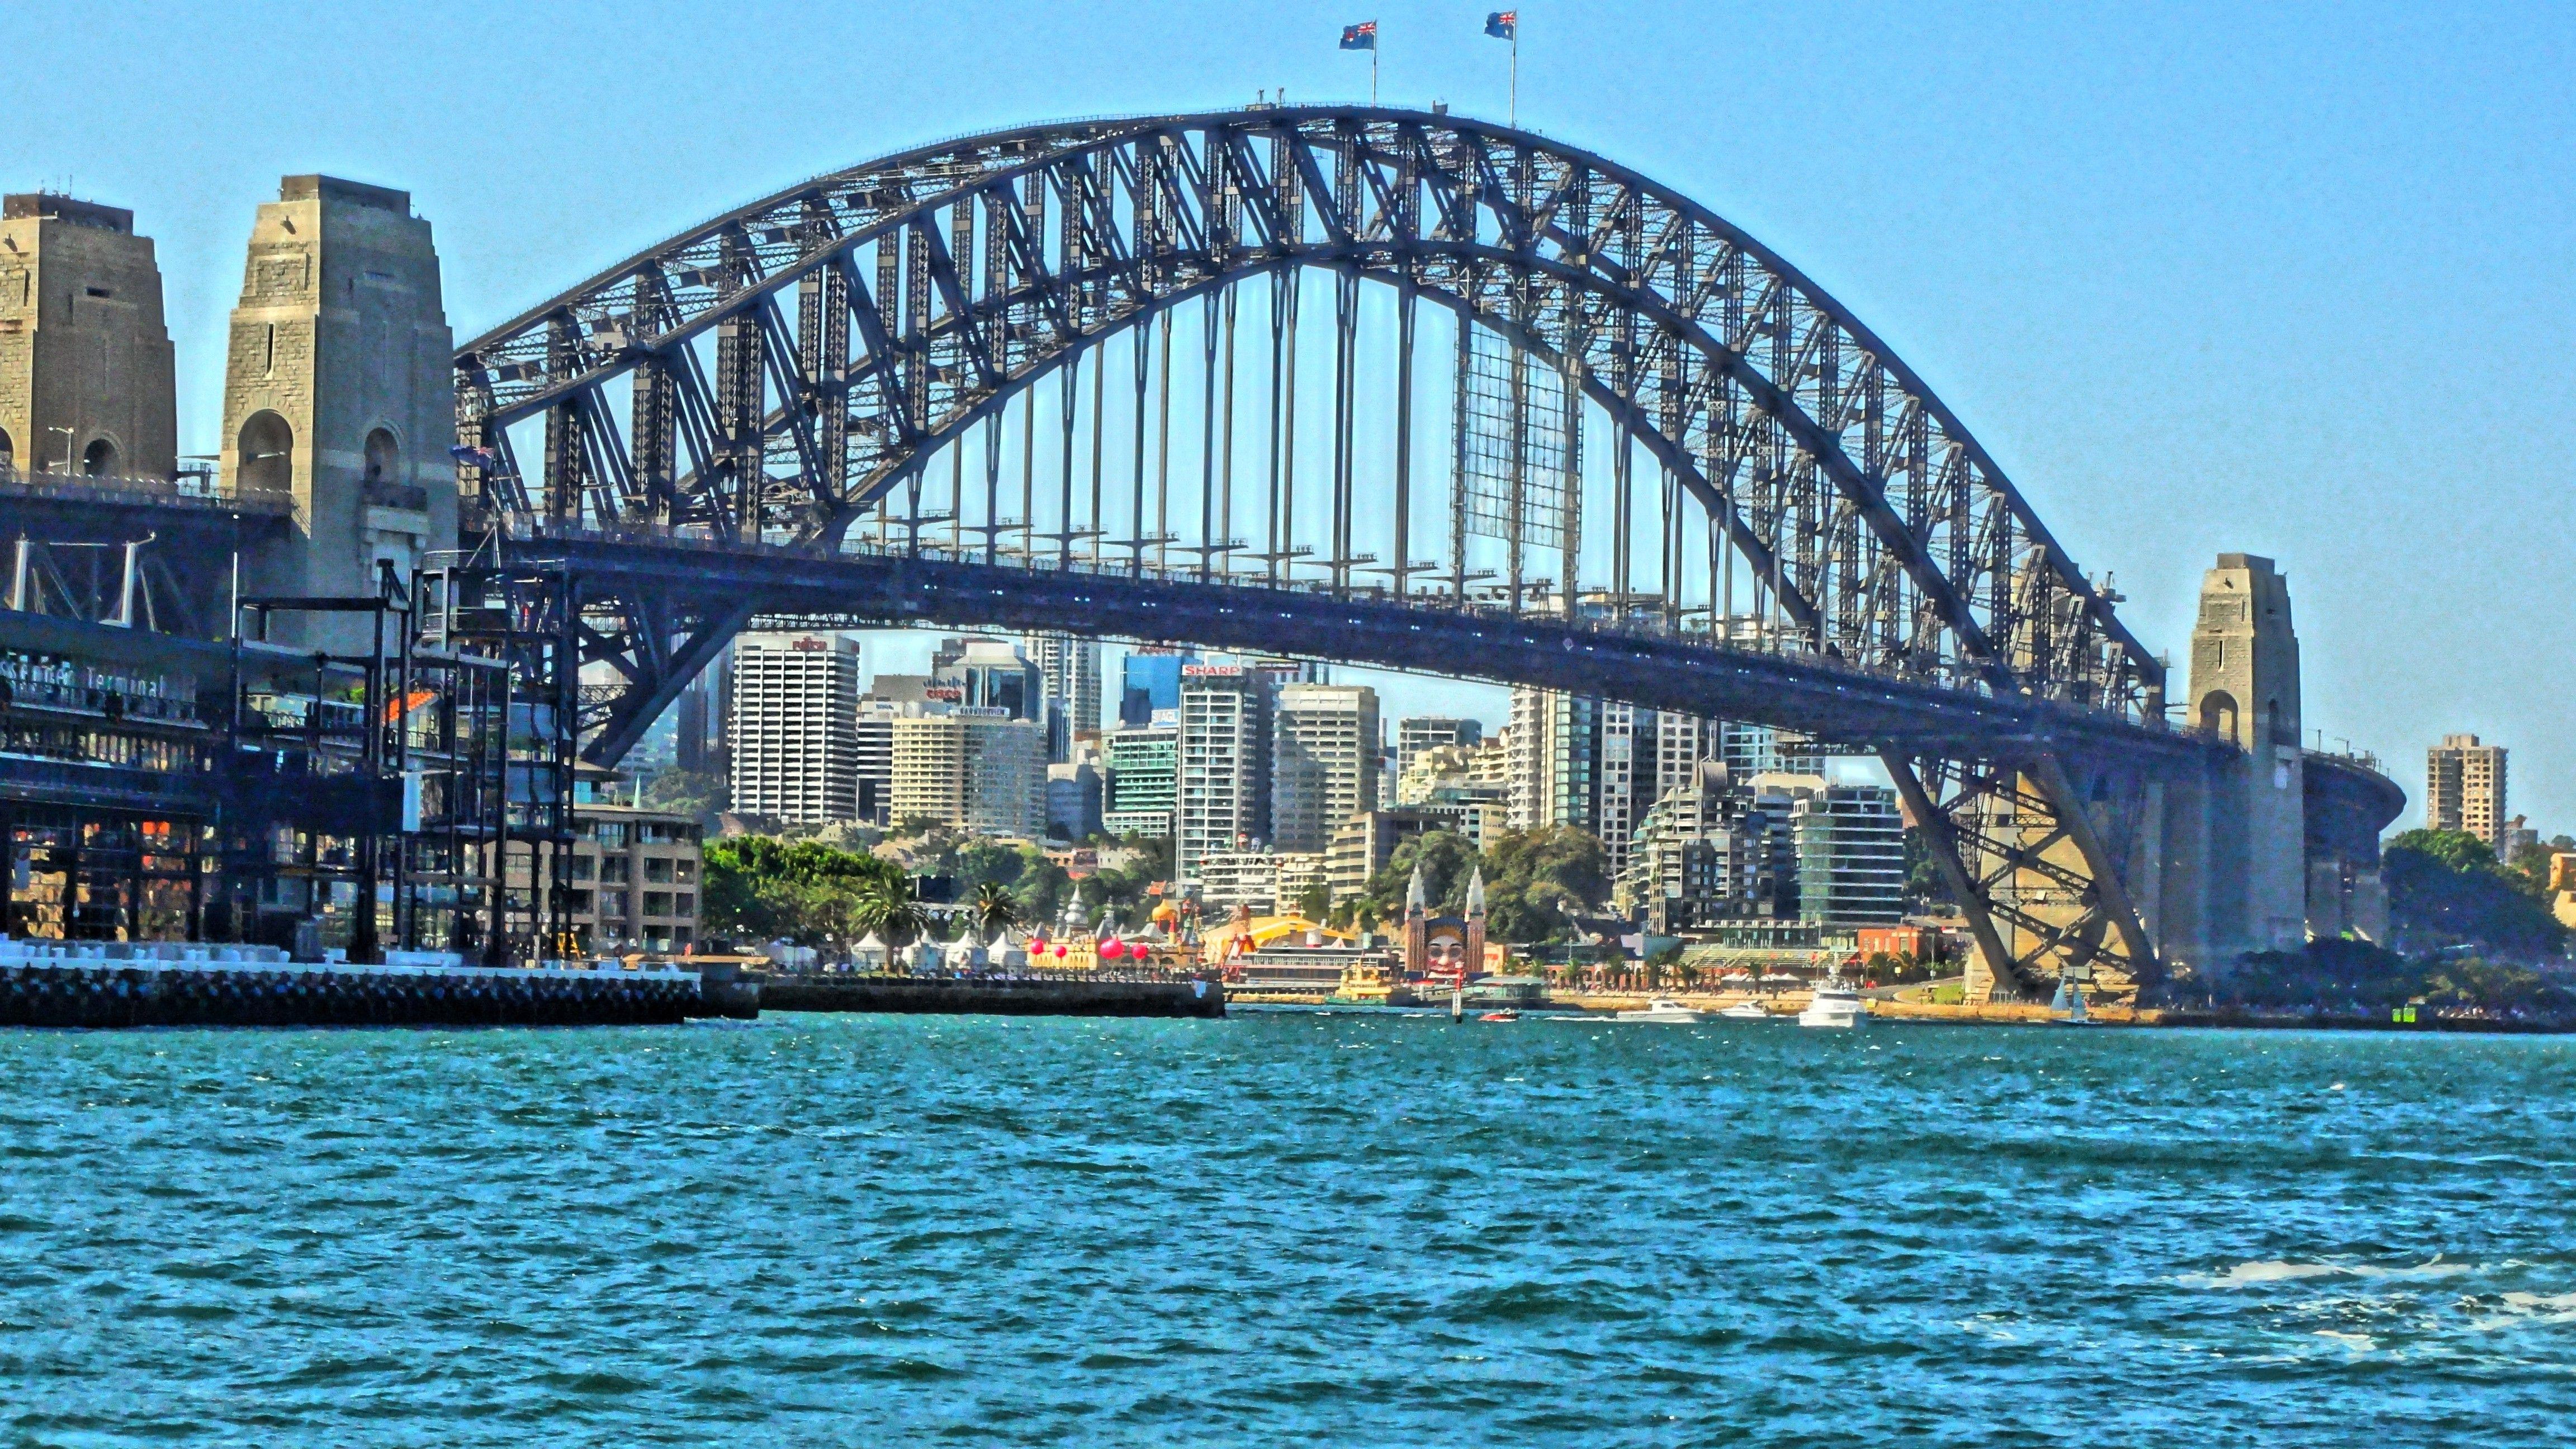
[
  {"x": 1664, "y": 1008},
  {"x": 1746, "y": 1011},
  {"x": 1836, "y": 1004}
]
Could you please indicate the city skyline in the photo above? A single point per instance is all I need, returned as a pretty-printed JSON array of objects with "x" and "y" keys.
[
  {"x": 2131, "y": 266},
  {"x": 506, "y": 938}
]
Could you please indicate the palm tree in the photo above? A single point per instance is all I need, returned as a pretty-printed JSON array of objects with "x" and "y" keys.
[
  {"x": 886, "y": 906},
  {"x": 993, "y": 909}
]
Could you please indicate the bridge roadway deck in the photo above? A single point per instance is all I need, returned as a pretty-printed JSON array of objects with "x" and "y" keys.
[{"x": 1804, "y": 692}]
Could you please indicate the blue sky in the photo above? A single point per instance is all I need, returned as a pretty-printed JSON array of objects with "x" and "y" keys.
[{"x": 2202, "y": 277}]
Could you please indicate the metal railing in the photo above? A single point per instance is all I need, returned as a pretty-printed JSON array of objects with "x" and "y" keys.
[{"x": 183, "y": 490}]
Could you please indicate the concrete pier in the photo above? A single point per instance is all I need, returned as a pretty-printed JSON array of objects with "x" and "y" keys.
[
  {"x": 1046, "y": 996},
  {"x": 113, "y": 984}
]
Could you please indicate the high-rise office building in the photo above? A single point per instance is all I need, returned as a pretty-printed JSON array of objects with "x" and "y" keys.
[
  {"x": 1223, "y": 793},
  {"x": 794, "y": 729},
  {"x": 875, "y": 734},
  {"x": 945, "y": 654},
  {"x": 1073, "y": 800},
  {"x": 973, "y": 768},
  {"x": 1553, "y": 741},
  {"x": 702, "y": 715},
  {"x": 1364, "y": 844},
  {"x": 1149, "y": 681},
  {"x": 1281, "y": 668},
  {"x": 1070, "y": 669},
  {"x": 1681, "y": 741},
  {"x": 1323, "y": 762},
  {"x": 1422, "y": 732},
  {"x": 1625, "y": 785},
  {"x": 1144, "y": 780},
  {"x": 1593, "y": 764},
  {"x": 2464, "y": 789},
  {"x": 990, "y": 674}
]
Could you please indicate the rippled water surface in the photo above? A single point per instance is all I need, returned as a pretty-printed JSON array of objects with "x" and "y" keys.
[{"x": 1328, "y": 1229}]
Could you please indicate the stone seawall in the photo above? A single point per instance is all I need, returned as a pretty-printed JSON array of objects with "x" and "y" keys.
[
  {"x": 157, "y": 993},
  {"x": 1033, "y": 997}
]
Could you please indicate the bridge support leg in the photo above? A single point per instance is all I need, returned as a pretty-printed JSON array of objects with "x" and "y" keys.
[
  {"x": 2040, "y": 887},
  {"x": 2110, "y": 893},
  {"x": 1941, "y": 842}
]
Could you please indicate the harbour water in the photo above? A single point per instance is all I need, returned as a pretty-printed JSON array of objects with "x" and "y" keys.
[{"x": 1284, "y": 1227}]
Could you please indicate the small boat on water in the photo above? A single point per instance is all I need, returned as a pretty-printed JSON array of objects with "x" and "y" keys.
[
  {"x": 1835, "y": 1006},
  {"x": 1745, "y": 1011},
  {"x": 1664, "y": 1008},
  {"x": 1506, "y": 1014}
]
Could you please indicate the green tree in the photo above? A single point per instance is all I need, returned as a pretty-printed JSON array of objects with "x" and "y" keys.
[
  {"x": 1925, "y": 885},
  {"x": 1126, "y": 887},
  {"x": 1537, "y": 881},
  {"x": 977, "y": 863},
  {"x": 2357, "y": 978},
  {"x": 698, "y": 794},
  {"x": 1041, "y": 890},
  {"x": 993, "y": 909},
  {"x": 1446, "y": 860},
  {"x": 2445, "y": 888},
  {"x": 761, "y": 887},
  {"x": 887, "y": 908}
]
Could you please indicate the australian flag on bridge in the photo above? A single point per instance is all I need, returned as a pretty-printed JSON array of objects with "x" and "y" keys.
[
  {"x": 1503, "y": 24},
  {"x": 1362, "y": 36}
]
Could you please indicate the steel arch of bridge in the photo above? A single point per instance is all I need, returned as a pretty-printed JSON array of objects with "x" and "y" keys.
[{"x": 931, "y": 287}]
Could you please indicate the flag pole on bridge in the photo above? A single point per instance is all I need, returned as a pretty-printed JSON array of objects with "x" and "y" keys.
[
  {"x": 1506, "y": 25},
  {"x": 1363, "y": 36}
]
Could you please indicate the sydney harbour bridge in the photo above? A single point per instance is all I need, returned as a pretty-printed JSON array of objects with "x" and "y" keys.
[{"x": 1364, "y": 384}]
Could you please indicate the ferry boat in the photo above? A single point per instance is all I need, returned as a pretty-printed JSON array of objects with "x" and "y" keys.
[
  {"x": 1370, "y": 983},
  {"x": 1664, "y": 1008},
  {"x": 1835, "y": 1006}
]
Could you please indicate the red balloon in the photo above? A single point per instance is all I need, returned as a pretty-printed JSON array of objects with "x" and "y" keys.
[
  {"x": 1111, "y": 951},
  {"x": 1059, "y": 950}
]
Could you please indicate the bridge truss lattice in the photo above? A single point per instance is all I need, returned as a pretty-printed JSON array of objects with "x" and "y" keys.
[{"x": 852, "y": 369}]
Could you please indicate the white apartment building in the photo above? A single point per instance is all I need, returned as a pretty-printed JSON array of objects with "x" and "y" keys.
[
  {"x": 1071, "y": 669},
  {"x": 974, "y": 768},
  {"x": 1588, "y": 763},
  {"x": 794, "y": 731},
  {"x": 1550, "y": 744},
  {"x": 875, "y": 735},
  {"x": 1222, "y": 800},
  {"x": 1264, "y": 882},
  {"x": 1230, "y": 878},
  {"x": 1323, "y": 762}
]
